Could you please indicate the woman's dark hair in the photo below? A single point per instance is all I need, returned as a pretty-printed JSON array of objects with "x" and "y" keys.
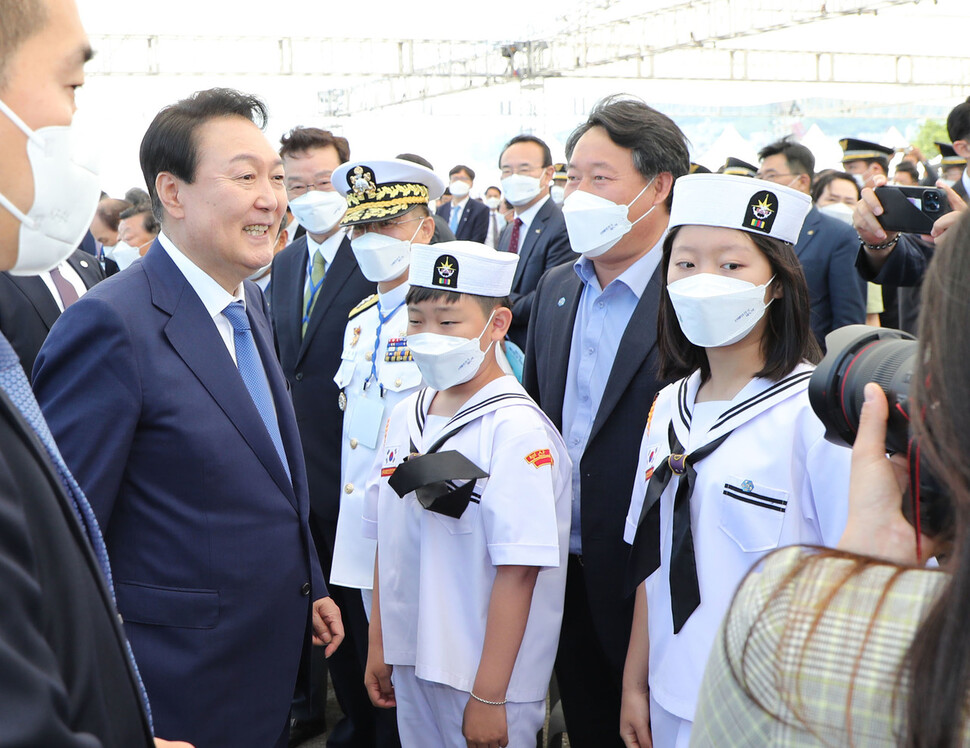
[
  {"x": 788, "y": 338},
  {"x": 939, "y": 658},
  {"x": 826, "y": 178}
]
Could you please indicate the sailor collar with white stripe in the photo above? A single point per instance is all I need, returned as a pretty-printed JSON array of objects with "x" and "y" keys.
[
  {"x": 493, "y": 395},
  {"x": 755, "y": 398}
]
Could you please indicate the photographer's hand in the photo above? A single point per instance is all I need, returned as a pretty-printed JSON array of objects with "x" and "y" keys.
[
  {"x": 876, "y": 526},
  {"x": 947, "y": 219}
]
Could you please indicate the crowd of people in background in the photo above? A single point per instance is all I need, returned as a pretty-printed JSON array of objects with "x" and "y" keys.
[{"x": 289, "y": 413}]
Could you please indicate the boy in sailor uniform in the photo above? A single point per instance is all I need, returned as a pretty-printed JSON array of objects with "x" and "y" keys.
[
  {"x": 733, "y": 462},
  {"x": 469, "y": 501}
]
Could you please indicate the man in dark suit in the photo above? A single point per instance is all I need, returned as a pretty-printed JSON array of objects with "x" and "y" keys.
[
  {"x": 958, "y": 128},
  {"x": 189, "y": 448},
  {"x": 467, "y": 218},
  {"x": 604, "y": 307},
  {"x": 826, "y": 246},
  {"x": 30, "y": 304},
  {"x": 537, "y": 233},
  {"x": 67, "y": 678},
  {"x": 310, "y": 311}
]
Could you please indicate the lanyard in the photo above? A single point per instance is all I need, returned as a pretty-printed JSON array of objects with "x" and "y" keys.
[{"x": 381, "y": 319}]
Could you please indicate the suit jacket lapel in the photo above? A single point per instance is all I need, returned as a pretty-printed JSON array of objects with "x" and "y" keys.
[
  {"x": 87, "y": 268},
  {"x": 39, "y": 296},
  {"x": 337, "y": 274},
  {"x": 535, "y": 230},
  {"x": 808, "y": 232},
  {"x": 288, "y": 279},
  {"x": 638, "y": 340},
  {"x": 194, "y": 336},
  {"x": 569, "y": 292}
]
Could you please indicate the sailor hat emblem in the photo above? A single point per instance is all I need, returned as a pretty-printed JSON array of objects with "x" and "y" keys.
[{"x": 361, "y": 181}]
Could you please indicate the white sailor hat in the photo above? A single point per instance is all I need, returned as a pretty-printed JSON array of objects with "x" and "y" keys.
[
  {"x": 464, "y": 267},
  {"x": 743, "y": 203},
  {"x": 378, "y": 190}
]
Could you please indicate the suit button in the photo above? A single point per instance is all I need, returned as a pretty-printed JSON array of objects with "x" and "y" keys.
[
  {"x": 353, "y": 444},
  {"x": 397, "y": 382},
  {"x": 299, "y": 376},
  {"x": 370, "y": 355},
  {"x": 305, "y": 589},
  {"x": 349, "y": 488}
]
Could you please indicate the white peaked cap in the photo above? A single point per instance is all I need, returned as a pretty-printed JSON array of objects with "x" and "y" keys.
[
  {"x": 465, "y": 267},
  {"x": 742, "y": 203}
]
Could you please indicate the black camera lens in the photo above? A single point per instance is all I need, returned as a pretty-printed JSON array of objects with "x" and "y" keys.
[
  {"x": 858, "y": 354},
  {"x": 931, "y": 201}
]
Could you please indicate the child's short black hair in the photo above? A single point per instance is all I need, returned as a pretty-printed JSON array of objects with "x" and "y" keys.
[
  {"x": 417, "y": 294},
  {"x": 788, "y": 336}
]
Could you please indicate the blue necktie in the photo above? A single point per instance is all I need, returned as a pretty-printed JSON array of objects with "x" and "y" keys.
[
  {"x": 254, "y": 375},
  {"x": 453, "y": 223},
  {"x": 14, "y": 382}
]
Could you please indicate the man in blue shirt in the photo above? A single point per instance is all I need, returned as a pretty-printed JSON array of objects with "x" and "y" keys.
[{"x": 622, "y": 165}]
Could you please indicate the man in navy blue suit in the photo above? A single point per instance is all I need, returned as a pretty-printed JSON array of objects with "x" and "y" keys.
[
  {"x": 188, "y": 446},
  {"x": 467, "y": 218},
  {"x": 826, "y": 246}
]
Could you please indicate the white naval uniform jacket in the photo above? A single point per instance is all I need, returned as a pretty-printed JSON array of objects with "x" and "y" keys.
[
  {"x": 436, "y": 572},
  {"x": 353, "y": 554},
  {"x": 774, "y": 481}
]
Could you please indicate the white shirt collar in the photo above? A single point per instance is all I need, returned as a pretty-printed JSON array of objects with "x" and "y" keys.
[
  {"x": 460, "y": 205},
  {"x": 214, "y": 297},
  {"x": 527, "y": 216},
  {"x": 965, "y": 178},
  {"x": 328, "y": 248},
  {"x": 392, "y": 298}
]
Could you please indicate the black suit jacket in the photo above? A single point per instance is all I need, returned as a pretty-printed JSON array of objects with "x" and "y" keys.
[
  {"x": 473, "y": 224},
  {"x": 608, "y": 465},
  {"x": 28, "y": 310},
  {"x": 827, "y": 250},
  {"x": 309, "y": 364},
  {"x": 66, "y": 678},
  {"x": 546, "y": 245}
]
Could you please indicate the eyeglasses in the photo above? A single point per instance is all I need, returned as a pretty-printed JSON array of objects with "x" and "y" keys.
[
  {"x": 302, "y": 189},
  {"x": 507, "y": 171},
  {"x": 379, "y": 226},
  {"x": 771, "y": 176}
]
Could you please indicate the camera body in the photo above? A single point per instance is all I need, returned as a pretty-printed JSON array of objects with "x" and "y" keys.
[
  {"x": 857, "y": 355},
  {"x": 912, "y": 210}
]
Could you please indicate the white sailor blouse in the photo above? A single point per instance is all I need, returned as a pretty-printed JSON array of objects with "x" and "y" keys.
[
  {"x": 436, "y": 571},
  {"x": 771, "y": 480}
]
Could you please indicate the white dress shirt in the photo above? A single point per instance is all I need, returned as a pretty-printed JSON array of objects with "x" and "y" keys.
[{"x": 527, "y": 217}]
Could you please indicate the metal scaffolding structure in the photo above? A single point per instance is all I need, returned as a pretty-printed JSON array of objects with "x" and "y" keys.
[{"x": 669, "y": 40}]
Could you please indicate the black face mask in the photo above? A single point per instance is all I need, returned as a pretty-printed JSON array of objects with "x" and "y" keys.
[{"x": 432, "y": 476}]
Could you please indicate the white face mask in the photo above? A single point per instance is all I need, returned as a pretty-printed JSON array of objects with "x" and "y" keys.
[
  {"x": 318, "y": 211},
  {"x": 66, "y": 195},
  {"x": 446, "y": 360},
  {"x": 520, "y": 189},
  {"x": 493, "y": 202},
  {"x": 841, "y": 211},
  {"x": 595, "y": 224},
  {"x": 122, "y": 253},
  {"x": 860, "y": 179},
  {"x": 715, "y": 311},
  {"x": 557, "y": 193},
  {"x": 949, "y": 182},
  {"x": 382, "y": 258},
  {"x": 459, "y": 188}
]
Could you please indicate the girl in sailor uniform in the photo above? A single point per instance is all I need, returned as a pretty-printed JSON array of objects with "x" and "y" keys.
[{"x": 733, "y": 462}]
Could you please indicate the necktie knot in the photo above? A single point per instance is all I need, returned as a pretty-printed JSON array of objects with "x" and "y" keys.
[{"x": 236, "y": 314}]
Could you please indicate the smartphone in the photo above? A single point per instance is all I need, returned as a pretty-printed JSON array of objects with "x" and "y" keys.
[{"x": 911, "y": 210}]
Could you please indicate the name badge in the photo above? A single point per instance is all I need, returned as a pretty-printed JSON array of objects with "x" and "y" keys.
[{"x": 366, "y": 420}]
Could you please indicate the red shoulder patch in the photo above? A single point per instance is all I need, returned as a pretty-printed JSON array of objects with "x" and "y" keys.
[{"x": 539, "y": 458}]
